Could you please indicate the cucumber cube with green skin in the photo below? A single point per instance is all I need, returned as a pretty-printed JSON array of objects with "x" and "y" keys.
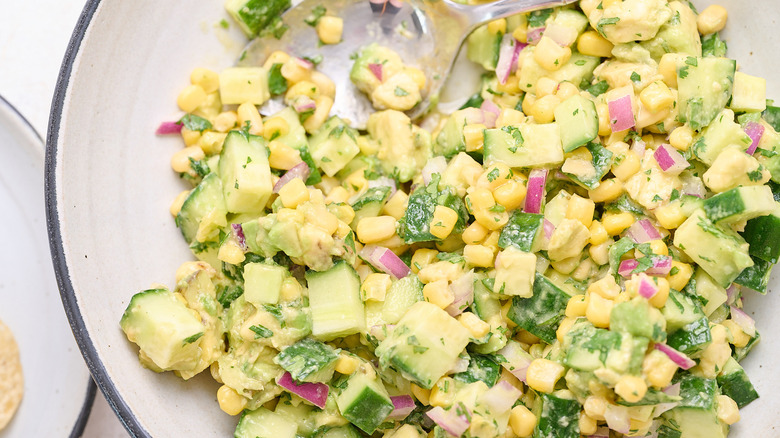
[
  {"x": 734, "y": 382},
  {"x": 524, "y": 146},
  {"x": 710, "y": 294},
  {"x": 541, "y": 313},
  {"x": 334, "y": 301},
  {"x": 263, "y": 423},
  {"x": 415, "y": 226},
  {"x": 165, "y": 329},
  {"x": 680, "y": 310},
  {"x": 696, "y": 415},
  {"x": 338, "y": 432},
  {"x": 482, "y": 368},
  {"x": 720, "y": 251},
  {"x": 749, "y": 93},
  {"x": 740, "y": 204},
  {"x": 205, "y": 202},
  {"x": 578, "y": 122},
  {"x": 450, "y": 140},
  {"x": 424, "y": 345},
  {"x": 692, "y": 338},
  {"x": 263, "y": 283},
  {"x": 369, "y": 204},
  {"x": 245, "y": 173},
  {"x": 756, "y": 277},
  {"x": 364, "y": 402},
  {"x": 483, "y": 47},
  {"x": 559, "y": 417},
  {"x": 333, "y": 145},
  {"x": 638, "y": 318},
  {"x": 486, "y": 305},
  {"x": 692, "y": 423},
  {"x": 523, "y": 231},
  {"x": 742, "y": 352},
  {"x": 704, "y": 88},
  {"x": 308, "y": 361},
  {"x": 763, "y": 236},
  {"x": 588, "y": 174},
  {"x": 253, "y": 16},
  {"x": 723, "y": 132},
  {"x": 588, "y": 347},
  {"x": 239, "y": 85},
  {"x": 400, "y": 297}
]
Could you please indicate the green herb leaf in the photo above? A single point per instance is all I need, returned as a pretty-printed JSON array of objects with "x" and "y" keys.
[
  {"x": 195, "y": 123},
  {"x": 277, "y": 84},
  {"x": 261, "y": 332},
  {"x": 316, "y": 13}
]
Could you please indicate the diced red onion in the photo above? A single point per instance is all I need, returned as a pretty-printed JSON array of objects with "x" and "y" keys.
[
  {"x": 434, "y": 165},
  {"x": 385, "y": 260},
  {"x": 693, "y": 186},
  {"x": 643, "y": 231},
  {"x": 673, "y": 390},
  {"x": 534, "y": 35},
  {"x": 238, "y": 232},
  {"x": 627, "y": 267},
  {"x": 618, "y": 418},
  {"x": 508, "y": 52},
  {"x": 501, "y": 397},
  {"x": 383, "y": 181},
  {"x": 732, "y": 292},
  {"x": 517, "y": 359},
  {"x": 662, "y": 265},
  {"x": 638, "y": 147},
  {"x": 461, "y": 365},
  {"x": 744, "y": 321},
  {"x": 303, "y": 104},
  {"x": 755, "y": 131},
  {"x": 565, "y": 36},
  {"x": 677, "y": 357},
  {"x": 377, "y": 70},
  {"x": 490, "y": 113},
  {"x": 403, "y": 405},
  {"x": 315, "y": 393},
  {"x": 549, "y": 229},
  {"x": 305, "y": 63},
  {"x": 300, "y": 170},
  {"x": 601, "y": 432},
  {"x": 169, "y": 128},
  {"x": 669, "y": 160},
  {"x": 472, "y": 115},
  {"x": 463, "y": 291},
  {"x": 535, "y": 193},
  {"x": 647, "y": 288},
  {"x": 449, "y": 420},
  {"x": 621, "y": 114}
]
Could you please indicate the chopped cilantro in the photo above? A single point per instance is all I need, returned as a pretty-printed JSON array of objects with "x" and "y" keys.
[{"x": 261, "y": 332}]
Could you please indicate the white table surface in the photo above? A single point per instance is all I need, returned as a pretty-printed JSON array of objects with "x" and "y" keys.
[{"x": 34, "y": 35}]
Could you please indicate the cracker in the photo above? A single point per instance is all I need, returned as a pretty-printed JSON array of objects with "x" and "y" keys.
[{"x": 11, "y": 379}]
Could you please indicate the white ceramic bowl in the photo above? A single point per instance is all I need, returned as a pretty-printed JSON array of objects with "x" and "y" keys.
[{"x": 109, "y": 186}]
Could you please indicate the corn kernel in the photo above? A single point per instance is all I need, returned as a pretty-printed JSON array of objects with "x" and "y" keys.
[
  {"x": 509, "y": 117},
  {"x": 375, "y": 286},
  {"x": 277, "y": 57},
  {"x": 566, "y": 90},
  {"x": 474, "y": 136},
  {"x": 511, "y": 195},
  {"x": 230, "y": 401},
  {"x": 592, "y": 44},
  {"x": 545, "y": 86},
  {"x": 421, "y": 394},
  {"x": 302, "y": 89},
  {"x": 588, "y": 425},
  {"x": 581, "y": 209},
  {"x": 337, "y": 195},
  {"x": 479, "y": 198},
  {"x": 330, "y": 29},
  {"x": 576, "y": 306},
  {"x": 658, "y": 369},
  {"x": 550, "y": 55},
  {"x": 181, "y": 160},
  {"x": 321, "y": 113},
  {"x": 443, "y": 392},
  {"x": 564, "y": 328},
  {"x": 543, "y": 110},
  {"x": 249, "y": 116},
  {"x": 190, "y": 137},
  {"x": 478, "y": 256},
  {"x": 667, "y": 68},
  {"x": 600, "y": 253},
  {"x": 396, "y": 205},
  {"x": 295, "y": 71},
  {"x": 375, "y": 229},
  {"x": 608, "y": 190},
  {"x": 679, "y": 275},
  {"x": 542, "y": 374},
  {"x": 606, "y": 287},
  {"x": 728, "y": 411},
  {"x": 417, "y": 75},
  {"x": 521, "y": 33},
  {"x": 598, "y": 310},
  {"x": 595, "y": 406},
  {"x": 211, "y": 142},
  {"x": 443, "y": 222},
  {"x": 627, "y": 167},
  {"x": 474, "y": 234},
  {"x": 347, "y": 364},
  {"x": 656, "y": 97},
  {"x": 422, "y": 258},
  {"x": 670, "y": 216},
  {"x": 325, "y": 85},
  {"x": 681, "y": 138},
  {"x": 522, "y": 421},
  {"x": 605, "y": 125},
  {"x": 207, "y": 79},
  {"x": 477, "y": 327},
  {"x": 528, "y": 103},
  {"x": 659, "y": 299},
  {"x": 491, "y": 241},
  {"x": 511, "y": 86},
  {"x": 178, "y": 202},
  {"x": 631, "y": 388},
  {"x": 598, "y": 234},
  {"x": 438, "y": 293},
  {"x": 294, "y": 193},
  {"x": 497, "y": 26},
  {"x": 282, "y": 156},
  {"x": 191, "y": 98},
  {"x": 616, "y": 223},
  {"x": 712, "y": 19},
  {"x": 738, "y": 337},
  {"x": 291, "y": 290},
  {"x": 659, "y": 247}
]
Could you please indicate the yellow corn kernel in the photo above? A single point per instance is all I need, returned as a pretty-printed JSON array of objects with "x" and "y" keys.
[
  {"x": 659, "y": 247},
  {"x": 494, "y": 176},
  {"x": 509, "y": 117},
  {"x": 347, "y": 364},
  {"x": 550, "y": 55},
  {"x": 477, "y": 327},
  {"x": 605, "y": 126},
  {"x": 712, "y": 19},
  {"x": 479, "y": 198},
  {"x": 417, "y": 75},
  {"x": 191, "y": 98},
  {"x": 566, "y": 90},
  {"x": 545, "y": 86},
  {"x": 421, "y": 394},
  {"x": 443, "y": 222},
  {"x": 325, "y": 85},
  {"x": 522, "y": 421},
  {"x": 681, "y": 138},
  {"x": 282, "y": 156},
  {"x": 680, "y": 275},
  {"x": 190, "y": 137},
  {"x": 616, "y": 223},
  {"x": 294, "y": 193},
  {"x": 670, "y": 216},
  {"x": 542, "y": 375},
  {"x": 337, "y": 195},
  {"x": 738, "y": 336},
  {"x": 543, "y": 110},
  {"x": 290, "y": 215},
  {"x": 598, "y": 234},
  {"x": 598, "y": 310},
  {"x": 497, "y": 26},
  {"x": 576, "y": 306},
  {"x": 588, "y": 425},
  {"x": 492, "y": 219},
  {"x": 438, "y": 293},
  {"x": 375, "y": 229},
  {"x": 291, "y": 290},
  {"x": 564, "y": 328},
  {"x": 207, "y": 79},
  {"x": 230, "y": 401},
  {"x": 277, "y": 57},
  {"x": 178, "y": 202},
  {"x": 478, "y": 256},
  {"x": 375, "y": 286},
  {"x": 608, "y": 190},
  {"x": 627, "y": 167},
  {"x": 474, "y": 135},
  {"x": 521, "y": 32},
  {"x": 606, "y": 287},
  {"x": 656, "y": 97},
  {"x": 422, "y": 258},
  {"x": 728, "y": 411},
  {"x": 316, "y": 196},
  {"x": 658, "y": 369},
  {"x": 510, "y": 194},
  {"x": 356, "y": 182},
  {"x": 600, "y": 253},
  {"x": 321, "y": 113},
  {"x": 595, "y": 406},
  {"x": 511, "y": 86},
  {"x": 303, "y": 88},
  {"x": 344, "y": 212},
  {"x": 659, "y": 299},
  {"x": 667, "y": 68},
  {"x": 474, "y": 234},
  {"x": 324, "y": 220},
  {"x": 592, "y": 44},
  {"x": 396, "y": 205},
  {"x": 180, "y": 161},
  {"x": 249, "y": 116},
  {"x": 330, "y": 29},
  {"x": 295, "y": 71},
  {"x": 443, "y": 392},
  {"x": 528, "y": 103},
  {"x": 631, "y": 388},
  {"x": 491, "y": 241},
  {"x": 211, "y": 142},
  {"x": 581, "y": 209}
]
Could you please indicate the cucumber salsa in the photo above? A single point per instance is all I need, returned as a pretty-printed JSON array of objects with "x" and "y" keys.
[{"x": 564, "y": 256}]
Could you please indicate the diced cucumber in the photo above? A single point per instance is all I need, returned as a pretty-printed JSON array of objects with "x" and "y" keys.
[
  {"x": 486, "y": 306},
  {"x": 364, "y": 402},
  {"x": 334, "y": 300},
  {"x": 338, "y": 432},
  {"x": 694, "y": 423},
  {"x": 203, "y": 212},
  {"x": 691, "y": 338},
  {"x": 450, "y": 140},
  {"x": 164, "y": 328},
  {"x": 742, "y": 352},
  {"x": 756, "y": 277},
  {"x": 253, "y": 16},
  {"x": 524, "y": 146},
  {"x": 424, "y": 345},
  {"x": 416, "y": 224},
  {"x": 482, "y": 47},
  {"x": 482, "y": 368},
  {"x": 680, "y": 310},
  {"x": 263, "y": 283},
  {"x": 734, "y": 382},
  {"x": 763, "y": 236},
  {"x": 587, "y": 347},
  {"x": 542, "y": 313},
  {"x": 308, "y": 360},
  {"x": 578, "y": 122},
  {"x": 704, "y": 87},
  {"x": 720, "y": 251},
  {"x": 264, "y": 423},
  {"x": 239, "y": 85},
  {"x": 296, "y": 135},
  {"x": 638, "y": 318},
  {"x": 710, "y": 294},
  {"x": 720, "y": 134},
  {"x": 402, "y": 295},
  {"x": 370, "y": 203},
  {"x": 749, "y": 93},
  {"x": 333, "y": 145},
  {"x": 740, "y": 204},
  {"x": 245, "y": 173},
  {"x": 523, "y": 231},
  {"x": 588, "y": 173},
  {"x": 559, "y": 417}
]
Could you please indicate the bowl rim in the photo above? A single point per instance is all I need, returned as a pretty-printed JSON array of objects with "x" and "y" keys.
[{"x": 67, "y": 293}]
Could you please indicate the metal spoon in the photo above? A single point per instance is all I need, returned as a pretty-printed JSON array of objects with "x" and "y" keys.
[{"x": 426, "y": 34}]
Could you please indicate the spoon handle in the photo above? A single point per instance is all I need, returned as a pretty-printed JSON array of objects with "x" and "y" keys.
[{"x": 481, "y": 14}]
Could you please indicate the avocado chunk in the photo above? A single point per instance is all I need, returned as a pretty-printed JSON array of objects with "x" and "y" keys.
[
  {"x": 704, "y": 88},
  {"x": 264, "y": 423},
  {"x": 403, "y": 149},
  {"x": 333, "y": 145},
  {"x": 524, "y": 146}
]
